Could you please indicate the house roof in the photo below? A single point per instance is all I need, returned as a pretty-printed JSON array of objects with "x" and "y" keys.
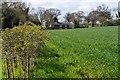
[{"x": 60, "y": 23}]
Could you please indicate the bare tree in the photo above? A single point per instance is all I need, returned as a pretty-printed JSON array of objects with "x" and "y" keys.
[
  {"x": 67, "y": 17},
  {"x": 33, "y": 16},
  {"x": 101, "y": 14},
  {"x": 50, "y": 14},
  {"x": 117, "y": 12},
  {"x": 75, "y": 17},
  {"x": 40, "y": 12},
  {"x": 104, "y": 13},
  {"x": 93, "y": 17}
]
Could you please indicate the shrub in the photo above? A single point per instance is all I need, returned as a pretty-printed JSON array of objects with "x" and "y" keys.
[
  {"x": 81, "y": 26},
  {"x": 109, "y": 23},
  {"x": 20, "y": 44}
]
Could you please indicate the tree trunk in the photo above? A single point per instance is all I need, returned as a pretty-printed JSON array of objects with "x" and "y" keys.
[
  {"x": 93, "y": 24},
  {"x": 28, "y": 66},
  {"x": 15, "y": 62},
  {"x": 8, "y": 69},
  {"x": 11, "y": 68},
  {"x": 24, "y": 67}
]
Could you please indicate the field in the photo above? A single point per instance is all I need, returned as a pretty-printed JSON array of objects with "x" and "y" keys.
[{"x": 79, "y": 53}]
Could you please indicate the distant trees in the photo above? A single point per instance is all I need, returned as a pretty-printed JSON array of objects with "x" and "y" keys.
[
  {"x": 93, "y": 17},
  {"x": 41, "y": 14},
  {"x": 50, "y": 15},
  {"x": 101, "y": 14},
  {"x": 75, "y": 17},
  {"x": 104, "y": 13}
]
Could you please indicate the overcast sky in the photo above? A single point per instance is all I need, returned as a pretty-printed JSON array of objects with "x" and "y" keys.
[{"x": 72, "y": 5}]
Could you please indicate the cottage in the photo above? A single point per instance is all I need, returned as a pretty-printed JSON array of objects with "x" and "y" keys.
[{"x": 60, "y": 25}]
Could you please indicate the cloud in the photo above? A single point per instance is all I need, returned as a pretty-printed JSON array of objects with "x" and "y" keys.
[
  {"x": 72, "y": 5},
  {"x": 89, "y": 5}
]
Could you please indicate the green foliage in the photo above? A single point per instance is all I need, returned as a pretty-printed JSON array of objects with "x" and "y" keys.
[
  {"x": 19, "y": 47},
  {"x": 79, "y": 53},
  {"x": 10, "y": 12}
]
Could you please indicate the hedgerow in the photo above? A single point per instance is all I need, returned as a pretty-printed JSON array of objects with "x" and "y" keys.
[{"x": 19, "y": 47}]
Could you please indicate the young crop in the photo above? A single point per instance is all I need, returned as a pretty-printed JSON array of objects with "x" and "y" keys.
[{"x": 79, "y": 53}]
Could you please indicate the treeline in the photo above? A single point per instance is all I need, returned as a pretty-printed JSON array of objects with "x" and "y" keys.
[{"x": 18, "y": 13}]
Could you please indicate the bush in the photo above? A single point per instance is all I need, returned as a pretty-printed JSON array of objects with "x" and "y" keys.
[
  {"x": 28, "y": 23},
  {"x": 20, "y": 44}
]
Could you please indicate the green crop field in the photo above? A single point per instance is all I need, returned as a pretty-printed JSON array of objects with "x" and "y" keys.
[{"x": 79, "y": 53}]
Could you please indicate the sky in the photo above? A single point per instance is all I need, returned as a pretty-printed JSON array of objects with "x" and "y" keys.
[{"x": 72, "y": 5}]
